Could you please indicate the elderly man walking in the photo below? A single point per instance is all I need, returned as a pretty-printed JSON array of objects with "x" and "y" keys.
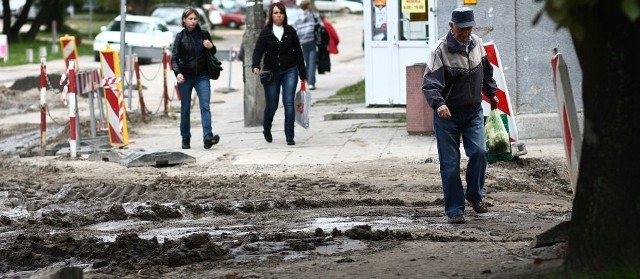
[{"x": 456, "y": 75}]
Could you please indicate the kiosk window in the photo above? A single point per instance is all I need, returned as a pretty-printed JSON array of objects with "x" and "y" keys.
[
  {"x": 414, "y": 20},
  {"x": 379, "y": 18}
]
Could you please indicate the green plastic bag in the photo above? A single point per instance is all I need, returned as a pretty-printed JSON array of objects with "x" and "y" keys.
[{"x": 497, "y": 137}]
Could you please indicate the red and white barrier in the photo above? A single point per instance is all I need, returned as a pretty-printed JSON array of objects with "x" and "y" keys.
[
  {"x": 502, "y": 93},
  {"x": 72, "y": 110},
  {"x": 43, "y": 105},
  {"x": 143, "y": 107},
  {"x": 116, "y": 111},
  {"x": 69, "y": 50},
  {"x": 568, "y": 116}
]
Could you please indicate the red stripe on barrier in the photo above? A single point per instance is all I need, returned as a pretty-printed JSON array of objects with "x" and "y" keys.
[{"x": 567, "y": 132}]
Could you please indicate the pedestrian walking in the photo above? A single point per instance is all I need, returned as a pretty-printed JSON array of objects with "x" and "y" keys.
[
  {"x": 305, "y": 27},
  {"x": 189, "y": 65},
  {"x": 334, "y": 39},
  {"x": 456, "y": 74},
  {"x": 325, "y": 48},
  {"x": 278, "y": 45}
]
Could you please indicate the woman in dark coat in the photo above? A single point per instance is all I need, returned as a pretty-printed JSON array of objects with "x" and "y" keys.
[
  {"x": 279, "y": 46},
  {"x": 189, "y": 65}
]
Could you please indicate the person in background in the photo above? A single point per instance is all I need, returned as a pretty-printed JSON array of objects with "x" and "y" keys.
[
  {"x": 189, "y": 65},
  {"x": 325, "y": 49},
  {"x": 279, "y": 46},
  {"x": 455, "y": 76},
  {"x": 304, "y": 26},
  {"x": 334, "y": 40}
]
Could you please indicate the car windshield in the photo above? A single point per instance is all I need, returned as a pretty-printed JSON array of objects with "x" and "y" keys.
[{"x": 134, "y": 27}]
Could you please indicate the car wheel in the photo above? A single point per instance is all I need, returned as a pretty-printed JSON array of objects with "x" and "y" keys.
[{"x": 233, "y": 24}]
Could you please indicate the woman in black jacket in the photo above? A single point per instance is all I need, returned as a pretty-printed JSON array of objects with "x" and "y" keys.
[
  {"x": 190, "y": 66},
  {"x": 279, "y": 45}
]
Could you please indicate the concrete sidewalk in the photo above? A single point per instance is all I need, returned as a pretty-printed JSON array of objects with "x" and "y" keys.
[{"x": 361, "y": 134}]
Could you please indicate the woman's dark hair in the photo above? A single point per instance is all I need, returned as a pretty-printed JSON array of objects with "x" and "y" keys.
[
  {"x": 281, "y": 8},
  {"x": 188, "y": 11}
]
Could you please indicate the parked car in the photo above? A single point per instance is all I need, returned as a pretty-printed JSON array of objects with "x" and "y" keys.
[
  {"x": 229, "y": 6},
  {"x": 173, "y": 17},
  {"x": 338, "y": 6},
  {"x": 231, "y": 20},
  {"x": 145, "y": 34}
]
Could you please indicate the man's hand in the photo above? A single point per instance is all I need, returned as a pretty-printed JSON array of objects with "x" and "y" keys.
[
  {"x": 494, "y": 102},
  {"x": 443, "y": 111}
]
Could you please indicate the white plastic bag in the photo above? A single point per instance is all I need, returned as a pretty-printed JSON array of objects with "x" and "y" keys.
[{"x": 302, "y": 103}]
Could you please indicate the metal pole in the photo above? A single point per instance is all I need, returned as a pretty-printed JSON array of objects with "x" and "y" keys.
[
  {"x": 92, "y": 114},
  {"x": 130, "y": 70},
  {"x": 123, "y": 29}
]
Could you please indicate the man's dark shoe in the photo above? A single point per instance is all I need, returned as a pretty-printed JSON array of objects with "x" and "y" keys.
[
  {"x": 291, "y": 142},
  {"x": 208, "y": 142},
  {"x": 267, "y": 136},
  {"x": 479, "y": 207},
  {"x": 186, "y": 143},
  {"x": 459, "y": 219}
]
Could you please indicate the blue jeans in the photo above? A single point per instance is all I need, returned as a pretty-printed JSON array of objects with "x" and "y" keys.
[
  {"x": 469, "y": 125},
  {"x": 203, "y": 90},
  {"x": 288, "y": 81},
  {"x": 310, "y": 60}
]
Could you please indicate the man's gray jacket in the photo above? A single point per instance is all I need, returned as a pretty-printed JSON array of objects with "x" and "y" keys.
[{"x": 457, "y": 78}]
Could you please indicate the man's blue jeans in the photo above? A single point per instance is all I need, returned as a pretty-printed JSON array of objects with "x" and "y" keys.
[
  {"x": 288, "y": 81},
  {"x": 203, "y": 90},
  {"x": 310, "y": 60},
  {"x": 469, "y": 125}
]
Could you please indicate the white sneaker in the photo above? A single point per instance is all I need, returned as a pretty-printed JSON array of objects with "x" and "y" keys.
[{"x": 312, "y": 87}]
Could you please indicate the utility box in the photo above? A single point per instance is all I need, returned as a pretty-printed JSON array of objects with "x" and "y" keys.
[{"x": 419, "y": 113}]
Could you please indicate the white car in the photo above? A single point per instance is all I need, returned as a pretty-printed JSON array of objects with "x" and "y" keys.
[
  {"x": 338, "y": 6},
  {"x": 145, "y": 34}
]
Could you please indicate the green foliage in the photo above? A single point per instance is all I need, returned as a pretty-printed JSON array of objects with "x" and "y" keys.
[
  {"x": 351, "y": 94},
  {"x": 570, "y": 13},
  {"x": 18, "y": 51},
  {"x": 631, "y": 8}
]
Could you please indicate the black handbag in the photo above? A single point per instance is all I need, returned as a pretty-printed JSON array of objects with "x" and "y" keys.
[
  {"x": 266, "y": 76},
  {"x": 214, "y": 66}
]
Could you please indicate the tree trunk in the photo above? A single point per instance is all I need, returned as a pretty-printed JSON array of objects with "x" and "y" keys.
[
  {"x": 606, "y": 209},
  {"x": 253, "y": 91},
  {"x": 43, "y": 17},
  {"x": 6, "y": 18}
]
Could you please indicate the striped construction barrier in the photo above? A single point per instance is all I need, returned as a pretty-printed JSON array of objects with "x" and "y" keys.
[
  {"x": 43, "y": 105},
  {"x": 73, "y": 134},
  {"x": 143, "y": 107},
  {"x": 69, "y": 50},
  {"x": 113, "y": 95},
  {"x": 568, "y": 117},
  {"x": 502, "y": 93}
]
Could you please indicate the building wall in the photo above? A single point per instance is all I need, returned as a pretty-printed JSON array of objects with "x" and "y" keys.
[{"x": 526, "y": 51}]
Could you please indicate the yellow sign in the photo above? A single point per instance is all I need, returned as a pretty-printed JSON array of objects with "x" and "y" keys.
[
  {"x": 414, "y": 6},
  {"x": 470, "y": 2}
]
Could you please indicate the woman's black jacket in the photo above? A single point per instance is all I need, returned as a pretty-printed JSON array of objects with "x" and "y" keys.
[
  {"x": 185, "y": 60},
  {"x": 279, "y": 55}
]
